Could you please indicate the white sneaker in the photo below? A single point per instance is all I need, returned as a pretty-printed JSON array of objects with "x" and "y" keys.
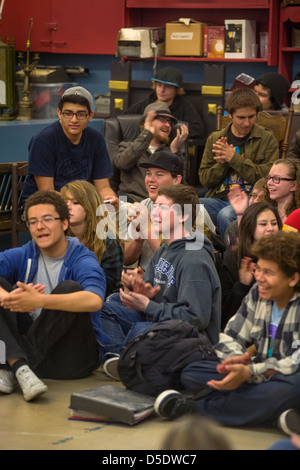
[
  {"x": 30, "y": 384},
  {"x": 110, "y": 367},
  {"x": 7, "y": 381},
  {"x": 289, "y": 422}
]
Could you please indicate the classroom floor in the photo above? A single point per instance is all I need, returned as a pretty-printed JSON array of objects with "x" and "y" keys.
[{"x": 44, "y": 425}]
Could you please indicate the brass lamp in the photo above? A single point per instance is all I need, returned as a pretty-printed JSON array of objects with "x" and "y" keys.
[{"x": 25, "y": 104}]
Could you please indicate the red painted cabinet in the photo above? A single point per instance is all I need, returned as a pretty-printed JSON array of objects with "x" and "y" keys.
[
  {"x": 289, "y": 17},
  {"x": 64, "y": 26}
]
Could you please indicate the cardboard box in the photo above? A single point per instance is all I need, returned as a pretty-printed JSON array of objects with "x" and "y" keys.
[
  {"x": 141, "y": 42},
  {"x": 184, "y": 37},
  {"x": 239, "y": 36},
  {"x": 214, "y": 41}
]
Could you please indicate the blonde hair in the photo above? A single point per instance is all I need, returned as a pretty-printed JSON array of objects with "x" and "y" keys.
[{"x": 94, "y": 232}]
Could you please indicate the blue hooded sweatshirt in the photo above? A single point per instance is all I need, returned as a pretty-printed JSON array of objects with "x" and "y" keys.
[{"x": 80, "y": 265}]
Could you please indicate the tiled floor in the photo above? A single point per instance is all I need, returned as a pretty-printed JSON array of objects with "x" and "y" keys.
[{"x": 44, "y": 425}]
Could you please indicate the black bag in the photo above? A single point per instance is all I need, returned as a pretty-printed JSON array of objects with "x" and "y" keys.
[{"x": 152, "y": 362}]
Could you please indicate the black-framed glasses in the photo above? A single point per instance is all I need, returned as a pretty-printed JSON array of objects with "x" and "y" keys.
[
  {"x": 277, "y": 179},
  {"x": 46, "y": 220},
  {"x": 80, "y": 115},
  {"x": 164, "y": 119}
]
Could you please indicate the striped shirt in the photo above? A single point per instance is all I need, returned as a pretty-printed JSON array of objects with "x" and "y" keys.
[{"x": 250, "y": 326}]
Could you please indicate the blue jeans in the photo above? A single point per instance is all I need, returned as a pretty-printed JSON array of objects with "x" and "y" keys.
[
  {"x": 221, "y": 212},
  {"x": 120, "y": 324},
  {"x": 249, "y": 404},
  {"x": 282, "y": 444}
]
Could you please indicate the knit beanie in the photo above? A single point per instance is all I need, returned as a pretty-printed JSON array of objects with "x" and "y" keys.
[
  {"x": 292, "y": 222},
  {"x": 278, "y": 85}
]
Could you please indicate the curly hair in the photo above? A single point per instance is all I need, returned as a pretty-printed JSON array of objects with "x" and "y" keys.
[
  {"x": 282, "y": 248},
  {"x": 48, "y": 197}
]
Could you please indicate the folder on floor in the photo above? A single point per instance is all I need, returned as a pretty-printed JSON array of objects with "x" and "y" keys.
[{"x": 110, "y": 403}]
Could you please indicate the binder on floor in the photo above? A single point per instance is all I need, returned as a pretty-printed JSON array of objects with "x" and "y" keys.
[{"x": 110, "y": 403}]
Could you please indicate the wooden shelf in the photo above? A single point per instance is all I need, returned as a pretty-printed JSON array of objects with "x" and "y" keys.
[
  {"x": 157, "y": 12},
  {"x": 194, "y": 59},
  {"x": 209, "y": 4},
  {"x": 290, "y": 49}
]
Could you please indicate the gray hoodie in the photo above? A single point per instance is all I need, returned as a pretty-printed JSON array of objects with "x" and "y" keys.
[{"x": 189, "y": 285}]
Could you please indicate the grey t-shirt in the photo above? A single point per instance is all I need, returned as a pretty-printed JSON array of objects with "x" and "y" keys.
[{"x": 47, "y": 274}]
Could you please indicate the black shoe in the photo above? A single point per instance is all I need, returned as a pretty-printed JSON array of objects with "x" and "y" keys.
[
  {"x": 172, "y": 404},
  {"x": 289, "y": 422}
]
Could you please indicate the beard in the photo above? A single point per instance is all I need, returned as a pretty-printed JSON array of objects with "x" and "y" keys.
[{"x": 164, "y": 139}]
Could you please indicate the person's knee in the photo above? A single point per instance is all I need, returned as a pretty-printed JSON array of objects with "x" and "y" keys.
[
  {"x": 67, "y": 286},
  {"x": 5, "y": 284},
  {"x": 224, "y": 218}
]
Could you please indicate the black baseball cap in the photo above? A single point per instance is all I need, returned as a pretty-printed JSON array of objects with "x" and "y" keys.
[{"x": 166, "y": 161}]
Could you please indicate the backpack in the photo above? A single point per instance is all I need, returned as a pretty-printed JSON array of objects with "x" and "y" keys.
[{"x": 152, "y": 361}]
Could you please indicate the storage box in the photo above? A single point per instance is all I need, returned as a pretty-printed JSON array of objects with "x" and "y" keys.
[
  {"x": 184, "y": 37},
  {"x": 141, "y": 42},
  {"x": 213, "y": 41},
  {"x": 239, "y": 36},
  {"x": 45, "y": 98}
]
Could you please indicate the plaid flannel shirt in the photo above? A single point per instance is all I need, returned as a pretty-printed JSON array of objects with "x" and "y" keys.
[{"x": 250, "y": 326}]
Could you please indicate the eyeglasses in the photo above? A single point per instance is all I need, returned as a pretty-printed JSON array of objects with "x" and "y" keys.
[
  {"x": 46, "y": 220},
  {"x": 164, "y": 120},
  {"x": 80, "y": 115},
  {"x": 277, "y": 179}
]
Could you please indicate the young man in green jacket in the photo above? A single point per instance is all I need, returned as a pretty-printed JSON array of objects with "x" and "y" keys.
[{"x": 241, "y": 153}]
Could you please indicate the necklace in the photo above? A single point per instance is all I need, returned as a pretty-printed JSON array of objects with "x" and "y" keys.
[{"x": 47, "y": 273}]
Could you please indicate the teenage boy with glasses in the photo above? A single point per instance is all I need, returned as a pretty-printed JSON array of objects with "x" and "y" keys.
[
  {"x": 48, "y": 288},
  {"x": 69, "y": 149}
]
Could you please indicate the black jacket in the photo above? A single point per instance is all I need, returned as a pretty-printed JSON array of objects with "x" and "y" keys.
[
  {"x": 233, "y": 291},
  {"x": 181, "y": 108}
]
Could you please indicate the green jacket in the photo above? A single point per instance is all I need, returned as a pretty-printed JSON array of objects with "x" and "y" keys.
[{"x": 261, "y": 150}]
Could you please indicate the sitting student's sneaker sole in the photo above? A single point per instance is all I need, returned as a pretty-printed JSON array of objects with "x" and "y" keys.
[
  {"x": 289, "y": 422},
  {"x": 7, "y": 381},
  {"x": 171, "y": 404},
  {"x": 110, "y": 367},
  {"x": 31, "y": 385}
]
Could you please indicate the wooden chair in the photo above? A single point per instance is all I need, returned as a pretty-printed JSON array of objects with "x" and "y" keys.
[
  {"x": 275, "y": 121},
  {"x": 18, "y": 175}
]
